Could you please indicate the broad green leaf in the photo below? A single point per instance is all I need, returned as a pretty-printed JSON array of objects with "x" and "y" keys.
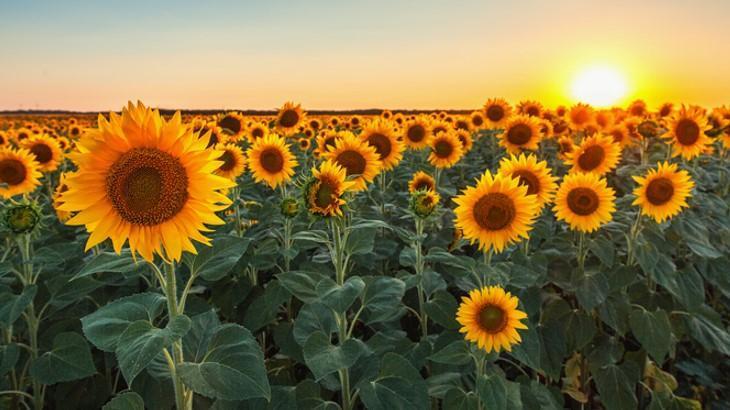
[
  {"x": 617, "y": 393},
  {"x": 382, "y": 298},
  {"x": 323, "y": 358},
  {"x": 592, "y": 289},
  {"x": 455, "y": 353},
  {"x": 141, "y": 342},
  {"x": 65, "y": 290},
  {"x": 264, "y": 309},
  {"x": 340, "y": 298},
  {"x": 302, "y": 285},
  {"x": 202, "y": 329},
  {"x": 653, "y": 331},
  {"x": 710, "y": 334},
  {"x": 125, "y": 401},
  {"x": 441, "y": 308},
  {"x": 110, "y": 262},
  {"x": 103, "y": 327},
  {"x": 70, "y": 359},
  {"x": 360, "y": 241},
  {"x": 212, "y": 263},
  {"x": 492, "y": 389},
  {"x": 8, "y": 357},
  {"x": 313, "y": 318},
  {"x": 233, "y": 368},
  {"x": 603, "y": 249},
  {"x": 398, "y": 385},
  {"x": 11, "y": 305},
  {"x": 457, "y": 399}
]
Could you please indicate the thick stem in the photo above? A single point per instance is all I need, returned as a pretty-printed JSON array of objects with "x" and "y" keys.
[
  {"x": 176, "y": 357},
  {"x": 633, "y": 235},
  {"x": 32, "y": 320},
  {"x": 581, "y": 252},
  {"x": 418, "y": 247}
]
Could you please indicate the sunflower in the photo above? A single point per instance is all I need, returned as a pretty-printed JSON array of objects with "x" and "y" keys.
[
  {"x": 530, "y": 108},
  {"x": 496, "y": 212},
  {"x": 665, "y": 110},
  {"x": 74, "y": 131},
  {"x": 18, "y": 172},
  {"x": 232, "y": 124},
  {"x": 48, "y": 153},
  {"x": 477, "y": 120},
  {"x": 663, "y": 192},
  {"x": 533, "y": 174},
  {"x": 446, "y": 150},
  {"x": 289, "y": 118},
  {"x": 686, "y": 132},
  {"x": 212, "y": 134},
  {"x": 62, "y": 187},
  {"x": 566, "y": 146},
  {"x": 256, "y": 130},
  {"x": 620, "y": 135},
  {"x": 489, "y": 317},
  {"x": 327, "y": 139},
  {"x": 580, "y": 116},
  {"x": 305, "y": 144},
  {"x": 271, "y": 161},
  {"x": 597, "y": 154},
  {"x": 439, "y": 126},
  {"x": 386, "y": 114},
  {"x": 637, "y": 109},
  {"x": 359, "y": 159},
  {"x": 417, "y": 133},
  {"x": 323, "y": 192},
  {"x": 467, "y": 142},
  {"x": 423, "y": 202},
  {"x": 315, "y": 124},
  {"x": 421, "y": 181},
  {"x": 147, "y": 180},
  {"x": 380, "y": 135},
  {"x": 22, "y": 134},
  {"x": 584, "y": 201},
  {"x": 233, "y": 161},
  {"x": 462, "y": 124},
  {"x": 521, "y": 132},
  {"x": 4, "y": 141}
]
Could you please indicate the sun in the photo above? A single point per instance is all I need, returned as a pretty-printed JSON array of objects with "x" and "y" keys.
[{"x": 599, "y": 86}]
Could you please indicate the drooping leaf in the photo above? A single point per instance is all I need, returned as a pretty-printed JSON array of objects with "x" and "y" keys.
[{"x": 215, "y": 262}]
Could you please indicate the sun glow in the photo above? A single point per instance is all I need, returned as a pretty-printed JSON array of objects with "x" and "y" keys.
[{"x": 599, "y": 86}]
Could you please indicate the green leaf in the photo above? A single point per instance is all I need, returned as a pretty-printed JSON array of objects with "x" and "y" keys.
[
  {"x": 313, "y": 318},
  {"x": 233, "y": 368},
  {"x": 360, "y": 241},
  {"x": 141, "y": 342},
  {"x": 382, "y": 298},
  {"x": 110, "y": 262},
  {"x": 264, "y": 309},
  {"x": 70, "y": 359},
  {"x": 8, "y": 357},
  {"x": 125, "y": 401},
  {"x": 455, "y": 353},
  {"x": 708, "y": 333},
  {"x": 202, "y": 329},
  {"x": 492, "y": 390},
  {"x": 653, "y": 331},
  {"x": 398, "y": 385},
  {"x": 212, "y": 263},
  {"x": 592, "y": 289},
  {"x": 11, "y": 305},
  {"x": 103, "y": 327},
  {"x": 457, "y": 399},
  {"x": 617, "y": 393},
  {"x": 302, "y": 285},
  {"x": 603, "y": 249},
  {"x": 323, "y": 358},
  {"x": 340, "y": 298},
  {"x": 441, "y": 308},
  {"x": 65, "y": 290}
]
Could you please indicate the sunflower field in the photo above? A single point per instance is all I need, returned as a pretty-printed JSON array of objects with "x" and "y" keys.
[{"x": 513, "y": 257}]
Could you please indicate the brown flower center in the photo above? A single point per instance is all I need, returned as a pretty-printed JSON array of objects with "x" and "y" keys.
[
  {"x": 230, "y": 123},
  {"x": 272, "y": 160},
  {"x": 495, "y": 113},
  {"x": 477, "y": 120},
  {"x": 381, "y": 143},
  {"x": 493, "y": 319},
  {"x": 147, "y": 186},
  {"x": 423, "y": 184},
  {"x": 443, "y": 148},
  {"x": 229, "y": 161},
  {"x": 519, "y": 134},
  {"x": 494, "y": 211},
  {"x": 324, "y": 194},
  {"x": 659, "y": 191},
  {"x": 12, "y": 171},
  {"x": 529, "y": 180},
  {"x": 257, "y": 132},
  {"x": 42, "y": 153},
  {"x": 688, "y": 132},
  {"x": 289, "y": 118},
  {"x": 416, "y": 133},
  {"x": 591, "y": 158},
  {"x": 353, "y": 162},
  {"x": 583, "y": 201},
  {"x": 461, "y": 125},
  {"x": 533, "y": 111}
]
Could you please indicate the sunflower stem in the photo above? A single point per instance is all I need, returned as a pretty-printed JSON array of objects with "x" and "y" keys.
[
  {"x": 176, "y": 357},
  {"x": 581, "y": 252},
  {"x": 633, "y": 236},
  {"x": 339, "y": 230},
  {"x": 417, "y": 245}
]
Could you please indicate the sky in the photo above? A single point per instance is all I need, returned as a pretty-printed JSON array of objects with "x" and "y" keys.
[{"x": 96, "y": 55}]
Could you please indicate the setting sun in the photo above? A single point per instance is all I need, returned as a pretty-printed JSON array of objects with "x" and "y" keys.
[{"x": 599, "y": 86}]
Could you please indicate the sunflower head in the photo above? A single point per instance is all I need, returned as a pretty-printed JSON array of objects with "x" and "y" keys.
[
  {"x": 22, "y": 218},
  {"x": 584, "y": 201},
  {"x": 323, "y": 192},
  {"x": 358, "y": 158},
  {"x": 533, "y": 174},
  {"x": 520, "y": 133},
  {"x": 19, "y": 172},
  {"x": 489, "y": 317},
  {"x": 580, "y": 116},
  {"x": 256, "y": 130},
  {"x": 233, "y": 162},
  {"x": 417, "y": 133},
  {"x": 421, "y": 181},
  {"x": 423, "y": 202},
  {"x": 289, "y": 118},
  {"x": 597, "y": 154},
  {"x": 496, "y": 212},
  {"x": 477, "y": 120},
  {"x": 232, "y": 124},
  {"x": 663, "y": 192},
  {"x": 686, "y": 132},
  {"x": 380, "y": 135},
  {"x": 46, "y": 150},
  {"x": 289, "y": 207},
  {"x": 530, "y": 108},
  {"x": 271, "y": 161},
  {"x": 446, "y": 150}
]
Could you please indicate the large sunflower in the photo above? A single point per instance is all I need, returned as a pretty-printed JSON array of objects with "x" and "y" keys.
[
  {"x": 233, "y": 124},
  {"x": 417, "y": 133},
  {"x": 18, "y": 172},
  {"x": 598, "y": 154},
  {"x": 496, "y": 212},
  {"x": 147, "y": 180},
  {"x": 233, "y": 161},
  {"x": 446, "y": 150},
  {"x": 359, "y": 159},
  {"x": 584, "y": 201},
  {"x": 380, "y": 135},
  {"x": 46, "y": 150},
  {"x": 521, "y": 132},
  {"x": 663, "y": 192},
  {"x": 496, "y": 112},
  {"x": 421, "y": 181},
  {"x": 686, "y": 132},
  {"x": 270, "y": 160},
  {"x": 489, "y": 317},
  {"x": 323, "y": 192},
  {"x": 289, "y": 118},
  {"x": 533, "y": 174}
]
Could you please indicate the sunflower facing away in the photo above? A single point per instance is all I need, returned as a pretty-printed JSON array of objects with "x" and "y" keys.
[
  {"x": 359, "y": 160},
  {"x": 323, "y": 193},
  {"x": 147, "y": 180},
  {"x": 46, "y": 150},
  {"x": 489, "y": 317},
  {"x": 598, "y": 154},
  {"x": 421, "y": 181},
  {"x": 533, "y": 174},
  {"x": 18, "y": 172},
  {"x": 289, "y": 118},
  {"x": 496, "y": 112},
  {"x": 584, "y": 201},
  {"x": 663, "y": 192},
  {"x": 521, "y": 132},
  {"x": 446, "y": 150},
  {"x": 270, "y": 160},
  {"x": 233, "y": 161},
  {"x": 686, "y": 132},
  {"x": 496, "y": 212},
  {"x": 417, "y": 133},
  {"x": 380, "y": 135}
]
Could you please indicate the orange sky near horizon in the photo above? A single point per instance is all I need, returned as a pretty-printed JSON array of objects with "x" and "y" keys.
[{"x": 379, "y": 54}]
